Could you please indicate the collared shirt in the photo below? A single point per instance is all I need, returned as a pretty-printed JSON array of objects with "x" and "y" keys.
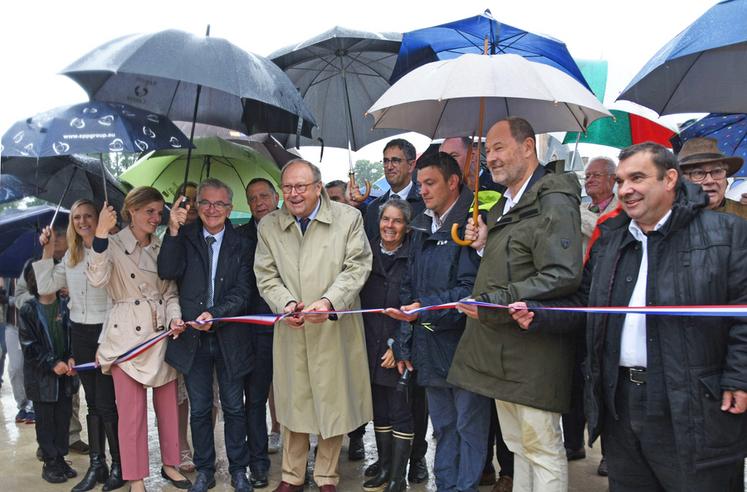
[
  {"x": 403, "y": 193},
  {"x": 216, "y": 250},
  {"x": 311, "y": 216},
  {"x": 438, "y": 221},
  {"x": 510, "y": 200},
  {"x": 601, "y": 205},
  {"x": 633, "y": 352}
]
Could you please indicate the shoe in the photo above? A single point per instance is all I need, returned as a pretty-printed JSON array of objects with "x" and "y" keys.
[
  {"x": 356, "y": 451},
  {"x": 372, "y": 470},
  {"x": 21, "y": 416},
  {"x": 259, "y": 480},
  {"x": 418, "y": 471},
  {"x": 202, "y": 483},
  {"x": 80, "y": 447},
  {"x": 183, "y": 484},
  {"x": 488, "y": 475},
  {"x": 575, "y": 454},
  {"x": 115, "y": 479},
  {"x": 64, "y": 466},
  {"x": 274, "y": 443},
  {"x": 287, "y": 487},
  {"x": 97, "y": 471},
  {"x": 39, "y": 454},
  {"x": 401, "y": 450},
  {"x": 504, "y": 484},
  {"x": 186, "y": 465},
  {"x": 602, "y": 470},
  {"x": 240, "y": 483},
  {"x": 30, "y": 417},
  {"x": 384, "y": 447},
  {"x": 52, "y": 473},
  {"x": 328, "y": 488}
]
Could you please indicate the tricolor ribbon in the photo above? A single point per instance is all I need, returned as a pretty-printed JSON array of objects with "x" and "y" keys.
[{"x": 129, "y": 354}]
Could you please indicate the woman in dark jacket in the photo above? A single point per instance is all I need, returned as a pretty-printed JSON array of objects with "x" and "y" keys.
[
  {"x": 393, "y": 422},
  {"x": 49, "y": 379}
]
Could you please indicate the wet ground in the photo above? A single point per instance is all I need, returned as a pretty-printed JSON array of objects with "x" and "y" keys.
[{"x": 20, "y": 470}]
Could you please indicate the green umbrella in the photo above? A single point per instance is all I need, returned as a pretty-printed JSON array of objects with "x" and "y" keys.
[{"x": 213, "y": 157}]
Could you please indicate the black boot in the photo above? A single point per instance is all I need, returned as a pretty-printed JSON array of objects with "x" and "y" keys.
[
  {"x": 373, "y": 469},
  {"x": 52, "y": 473},
  {"x": 115, "y": 479},
  {"x": 384, "y": 448},
  {"x": 400, "y": 456},
  {"x": 97, "y": 471}
]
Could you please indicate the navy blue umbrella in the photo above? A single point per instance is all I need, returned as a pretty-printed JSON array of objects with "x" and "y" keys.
[
  {"x": 729, "y": 129},
  {"x": 19, "y": 232},
  {"x": 91, "y": 127},
  {"x": 702, "y": 70},
  {"x": 467, "y": 36},
  {"x": 12, "y": 188}
]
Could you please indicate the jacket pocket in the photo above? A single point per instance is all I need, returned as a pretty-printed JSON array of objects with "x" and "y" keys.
[
  {"x": 488, "y": 362},
  {"x": 720, "y": 429}
]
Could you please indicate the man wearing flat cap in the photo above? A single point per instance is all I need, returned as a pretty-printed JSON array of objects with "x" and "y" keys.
[{"x": 704, "y": 164}]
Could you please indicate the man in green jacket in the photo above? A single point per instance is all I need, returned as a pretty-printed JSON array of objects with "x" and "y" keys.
[{"x": 531, "y": 248}]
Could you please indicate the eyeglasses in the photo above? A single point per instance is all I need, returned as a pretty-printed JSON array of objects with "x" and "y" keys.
[
  {"x": 299, "y": 188},
  {"x": 596, "y": 175},
  {"x": 698, "y": 175},
  {"x": 217, "y": 205},
  {"x": 394, "y": 160}
]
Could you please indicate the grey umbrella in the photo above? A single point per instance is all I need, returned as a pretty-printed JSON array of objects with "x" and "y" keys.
[
  {"x": 340, "y": 74},
  {"x": 163, "y": 71}
]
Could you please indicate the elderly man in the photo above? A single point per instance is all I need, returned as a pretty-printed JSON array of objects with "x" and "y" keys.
[
  {"x": 531, "y": 246},
  {"x": 313, "y": 257},
  {"x": 667, "y": 393},
  {"x": 211, "y": 264},
  {"x": 704, "y": 164},
  {"x": 262, "y": 199},
  {"x": 599, "y": 183}
]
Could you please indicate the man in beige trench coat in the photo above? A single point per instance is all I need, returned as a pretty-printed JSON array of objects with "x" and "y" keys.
[{"x": 313, "y": 255}]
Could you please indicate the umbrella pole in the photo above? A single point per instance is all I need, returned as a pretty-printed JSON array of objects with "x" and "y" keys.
[
  {"x": 194, "y": 123},
  {"x": 355, "y": 193},
  {"x": 575, "y": 152},
  {"x": 62, "y": 198},
  {"x": 103, "y": 177}
]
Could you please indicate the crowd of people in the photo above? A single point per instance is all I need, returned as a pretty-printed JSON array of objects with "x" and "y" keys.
[{"x": 667, "y": 394}]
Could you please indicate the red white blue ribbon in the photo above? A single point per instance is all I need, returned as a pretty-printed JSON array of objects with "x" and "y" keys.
[{"x": 129, "y": 354}]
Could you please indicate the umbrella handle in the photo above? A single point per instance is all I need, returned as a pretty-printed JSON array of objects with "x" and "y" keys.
[{"x": 355, "y": 193}]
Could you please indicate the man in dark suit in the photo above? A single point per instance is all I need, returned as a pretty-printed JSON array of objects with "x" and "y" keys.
[
  {"x": 211, "y": 264},
  {"x": 262, "y": 199}
]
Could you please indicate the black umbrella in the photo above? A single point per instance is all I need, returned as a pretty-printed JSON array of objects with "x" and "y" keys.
[
  {"x": 19, "y": 232},
  {"x": 12, "y": 189}
]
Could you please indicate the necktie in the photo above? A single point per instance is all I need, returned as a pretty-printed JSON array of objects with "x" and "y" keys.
[
  {"x": 210, "y": 240},
  {"x": 394, "y": 196},
  {"x": 304, "y": 223}
]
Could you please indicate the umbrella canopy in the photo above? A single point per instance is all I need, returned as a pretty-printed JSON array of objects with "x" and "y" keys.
[
  {"x": 701, "y": 70},
  {"x": 729, "y": 130},
  {"x": 162, "y": 71},
  {"x": 442, "y": 99},
  {"x": 19, "y": 233},
  {"x": 213, "y": 157},
  {"x": 91, "y": 127},
  {"x": 78, "y": 174},
  {"x": 340, "y": 73},
  {"x": 12, "y": 188},
  {"x": 624, "y": 130},
  {"x": 453, "y": 39}
]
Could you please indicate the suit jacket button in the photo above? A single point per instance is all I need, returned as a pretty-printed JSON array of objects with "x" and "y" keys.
[
  {"x": 137, "y": 328},
  {"x": 137, "y": 303},
  {"x": 132, "y": 275}
]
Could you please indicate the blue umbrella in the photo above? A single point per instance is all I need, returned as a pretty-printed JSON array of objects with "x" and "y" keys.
[
  {"x": 467, "y": 36},
  {"x": 701, "y": 70},
  {"x": 12, "y": 188},
  {"x": 729, "y": 129},
  {"x": 19, "y": 232}
]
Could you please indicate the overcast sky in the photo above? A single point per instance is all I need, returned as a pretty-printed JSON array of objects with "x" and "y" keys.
[{"x": 40, "y": 38}]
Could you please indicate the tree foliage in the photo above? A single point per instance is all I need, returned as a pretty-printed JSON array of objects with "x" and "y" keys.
[{"x": 365, "y": 169}]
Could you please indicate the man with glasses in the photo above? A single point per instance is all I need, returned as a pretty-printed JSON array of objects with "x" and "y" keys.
[
  {"x": 704, "y": 164},
  {"x": 399, "y": 164},
  {"x": 211, "y": 264},
  {"x": 313, "y": 257},
  {"x": 599, "y": 183}
]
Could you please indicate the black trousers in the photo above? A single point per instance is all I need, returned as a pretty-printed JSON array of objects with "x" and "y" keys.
[
  {"x": 504, "y": 455},
  {"x": 419, "y": 419},
  {"x": 53, "y": 426},
  {"x": 256, "y": 391},
  {"x": 98, "y": 387},
  {"x": 575, "y": 421},
  {"x": 391, "y": 408},
  {"x": 641, "y": 452}
]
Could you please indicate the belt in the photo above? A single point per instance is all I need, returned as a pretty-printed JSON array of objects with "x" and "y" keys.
[{"x": 636, "y": 375}]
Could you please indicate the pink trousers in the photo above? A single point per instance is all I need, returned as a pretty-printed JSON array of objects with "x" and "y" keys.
[{"x": 133, "y": 424}]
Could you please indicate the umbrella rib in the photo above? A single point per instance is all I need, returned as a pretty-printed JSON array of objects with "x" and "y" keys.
[
  {"x": 370, "y": 68},
  {"x": 173, "y": 96},
  {"x": 679, "y": 82},
  {"x": 583, "y": 128}
]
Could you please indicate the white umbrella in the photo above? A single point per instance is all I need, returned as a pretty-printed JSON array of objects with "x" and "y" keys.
[{"x": 442, "y": 99}]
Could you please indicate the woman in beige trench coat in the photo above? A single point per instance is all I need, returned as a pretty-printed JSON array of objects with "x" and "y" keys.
[{"x": 143, "y": 306}]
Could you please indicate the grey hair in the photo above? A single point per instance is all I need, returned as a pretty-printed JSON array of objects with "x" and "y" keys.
[
  {"x": 399, "y": 204},
  {"x": 315, "y": 172},
  {"x": 609, "y": 163},
  {"x": 214, "y": 183}
]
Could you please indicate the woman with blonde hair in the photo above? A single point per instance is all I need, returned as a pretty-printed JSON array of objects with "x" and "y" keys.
[
  {"x": 88, "y": 306},
  {"x": 143, "y": 306}
]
